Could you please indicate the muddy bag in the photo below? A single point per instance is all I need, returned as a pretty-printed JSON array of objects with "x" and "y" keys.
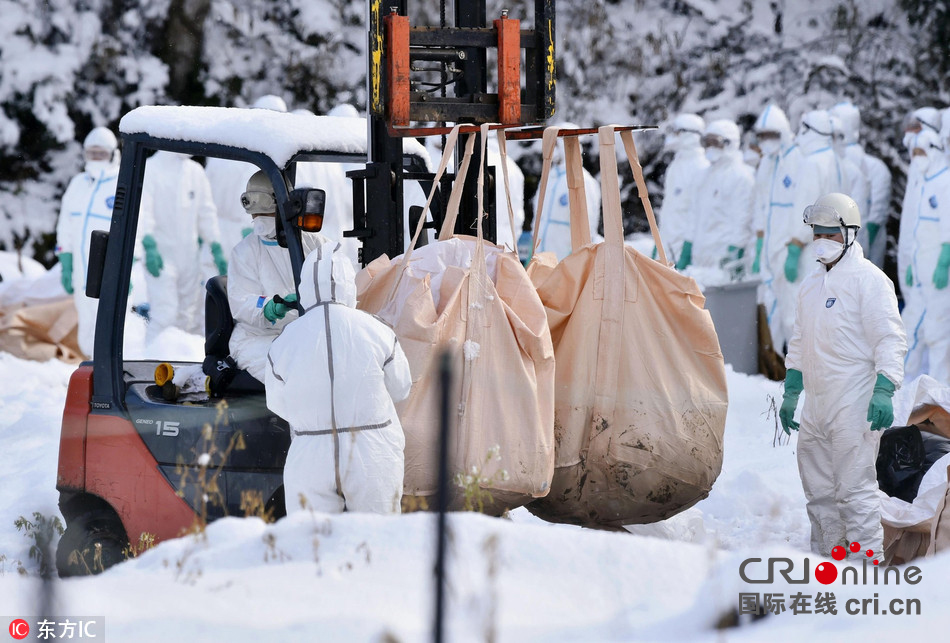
[
  {"x": 474, "y": 299},
  {"x": 640, "y": 385}
]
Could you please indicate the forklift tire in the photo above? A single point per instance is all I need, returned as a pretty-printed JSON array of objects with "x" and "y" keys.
[{"x": 76, "y": 554}]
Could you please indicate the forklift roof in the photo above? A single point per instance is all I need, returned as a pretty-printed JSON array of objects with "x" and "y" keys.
[{"x": 279, "y": 135}]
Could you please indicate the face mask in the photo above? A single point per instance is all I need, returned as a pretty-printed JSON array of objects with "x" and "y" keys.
[
  {"x": 770, "y": 146},
  {"x": 265, "y": 227},
  {"x": 908, "y": 140},
  {"x": 918, "y": 164},
  {"x": 96, "y": 168},
  {"x": 827, "y": 250},
  {"x": 713, "y": 154}
]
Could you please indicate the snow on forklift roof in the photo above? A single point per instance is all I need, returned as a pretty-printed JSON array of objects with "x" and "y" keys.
[{"x": 279, "y": 135}]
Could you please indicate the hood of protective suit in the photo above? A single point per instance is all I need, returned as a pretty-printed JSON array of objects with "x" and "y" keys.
[
  {"x": 929, "y": 117},
  {"x": 684, "y": 133},
  {"x": 850, "y": 121},
  {"x": 327, "y": 275},
  {"x": 773, "y": 119},
  {"x": 815, "y": 131}
]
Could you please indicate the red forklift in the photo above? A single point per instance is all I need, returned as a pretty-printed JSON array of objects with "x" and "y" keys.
[{"x": 137, "y": 466}]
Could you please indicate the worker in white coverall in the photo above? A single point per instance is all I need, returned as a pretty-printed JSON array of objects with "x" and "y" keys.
[
  {"x": 847, "y": 352},
  {"x": 921, "y": 119},
  {"x": 873, "y": 235},
  {"x": 689, "y": 162},
  {"x": 184, "y": 219},
  {"x": 334, "y": 375},
  {"x": 555, "y": 226},
  {"x": 228, "y": 178},
  {"x": 927, "y": 308},
  {"x": 261, "y": 290},
  {"x": 854, "y": 183},
  {"x": 785, "y": 183},
  {"x": 722, "y": 204},
  {"x": 86, "y": 206},
  {"x": 815, "y": 138}
]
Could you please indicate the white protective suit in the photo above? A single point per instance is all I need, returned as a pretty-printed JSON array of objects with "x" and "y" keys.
[
  {"x": 86, "y": 206},
  {"x": 258, "y": 270},
  {"x": 228, "y": 179},
  {"x": 334, "y": 374},
  {"x": 183, "y": 212},
  {"x": 689, "y": 162},
  {"x": 854, "y": 183},
  {"x": 847, "y": 331},
  {"x": 815, "y": 137},
  {"x": 785, "y": 183},
  {"x": 927, "y": 310},
  {"x": 875, "y": 209},
  {"x": 722, "y": 201},
  {"x": 554, "y": 234},
  {"x": 504, "y": 236}
]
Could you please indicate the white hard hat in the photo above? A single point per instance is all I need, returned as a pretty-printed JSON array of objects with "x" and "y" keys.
[
  {"x": 834, "y": 210},
  {"x": 259, "y": 197},
  {"x": 270, "y": 101},
  {"x": 101, "y": 137}
]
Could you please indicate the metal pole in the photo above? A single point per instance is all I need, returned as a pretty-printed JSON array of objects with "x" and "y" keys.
[{"x": 445, "y": 380}]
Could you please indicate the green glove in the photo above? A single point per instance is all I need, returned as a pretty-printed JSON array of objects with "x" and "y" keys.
[
  {"x": 219, "y": 261},
  {"x": 757, "y": 263},
  {"x": 793, "y": 388},
  {"x": 872, "y": 233},
  {"x": 153, "y": 260},
  {"x": 246, "y": 231},
  {"x": 909, "y": 279},
  {"x": 66, "y": 261},
  {"x": 943, "y": 267},
  {"x": 881, "y": 409},
  {"x": 653, "y": 256},
  {"x": 686, "y": 255},
  {"x": 278, "y": 310},
  {"x": 791, "y": 262}
]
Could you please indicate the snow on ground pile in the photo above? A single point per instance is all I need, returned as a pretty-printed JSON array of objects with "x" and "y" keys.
[{"x": 359, "y": 577}]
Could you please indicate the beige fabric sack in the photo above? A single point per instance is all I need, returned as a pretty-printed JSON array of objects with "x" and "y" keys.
[
  {"x": 474, "y": 299},
  {"x": 640, "y": 381},
  {"x": 41, "y": 332}
]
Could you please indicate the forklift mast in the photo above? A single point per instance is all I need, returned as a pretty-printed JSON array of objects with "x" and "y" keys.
[{"x": 409, "y": 72}]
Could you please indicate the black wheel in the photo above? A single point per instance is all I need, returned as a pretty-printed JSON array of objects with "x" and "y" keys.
[{"x": 94, "y": 541}]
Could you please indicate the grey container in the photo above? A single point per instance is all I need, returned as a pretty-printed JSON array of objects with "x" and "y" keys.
[{"x": 733, "y": 310}]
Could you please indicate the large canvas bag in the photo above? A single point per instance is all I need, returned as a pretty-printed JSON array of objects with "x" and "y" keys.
[
  {"x": 474, "y": 299},
  {"x": 640, "y": 391}
]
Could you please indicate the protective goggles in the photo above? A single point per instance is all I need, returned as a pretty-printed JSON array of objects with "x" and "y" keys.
[
  {"x": 767, "y": 135},
  {"x": 97, "y": 154},
  {"x": 914, "y": 124},
  {"x": 805, "y": 127},
  {"x": 713, "y": 140},
  {"x": 683, "y": 130},
  {"x": 823, "y": 216},
  {"x": 259, "y": 202}
]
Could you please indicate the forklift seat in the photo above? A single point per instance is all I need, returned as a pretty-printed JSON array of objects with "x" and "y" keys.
[{"x": 218, "y": 327}]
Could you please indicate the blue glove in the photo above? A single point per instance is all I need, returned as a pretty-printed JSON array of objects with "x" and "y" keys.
[
  {"x": 793, "y": 388},
  {"x": 686, "y": 256},
  {"x": 909, "y": 279},
  {"x": 219, "y": 261},
  {"x": 872, "y": 233},
  {"x": 791, "y": 262},
  {"x": 757, "y": 263},
  {"x": 881, "y": 409},
  {"x": 942, "y": 271},
  {"x": 153, "y": 260},
  {"x": 66, "y": 262},
  {"x": 274, "y": 310}
]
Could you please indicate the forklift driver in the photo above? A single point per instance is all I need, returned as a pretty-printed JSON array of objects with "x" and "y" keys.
[{"x": 261, "y": 289}]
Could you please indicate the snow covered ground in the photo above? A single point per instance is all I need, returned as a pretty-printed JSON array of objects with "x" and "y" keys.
[{"x": 316, "y": 577}]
